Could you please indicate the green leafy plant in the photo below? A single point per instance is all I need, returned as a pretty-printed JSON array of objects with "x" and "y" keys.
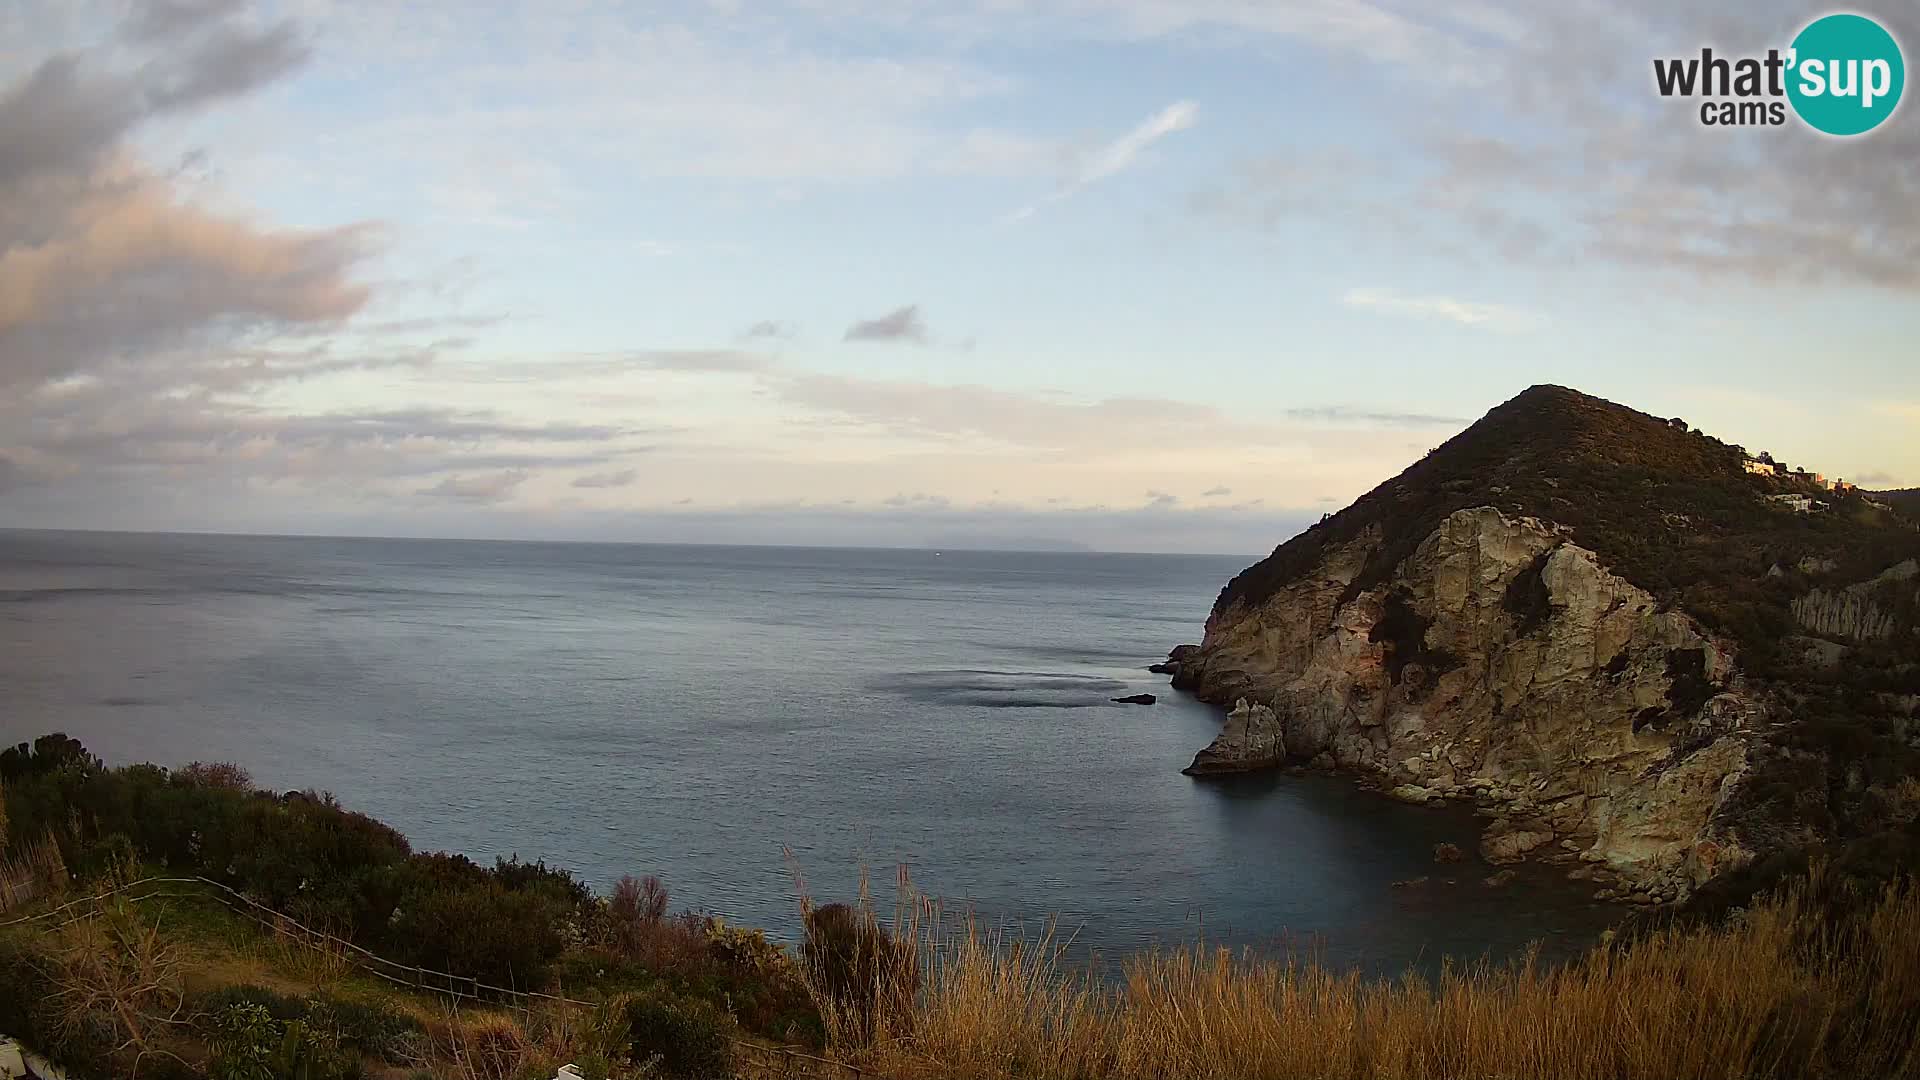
[
  {"x": 245, "y": 1043},
  {"x": 687, "y": 1038}
]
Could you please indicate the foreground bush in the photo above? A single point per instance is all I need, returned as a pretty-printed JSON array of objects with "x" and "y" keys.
[
  {"x": 373, "y": 1029},
  {"x": 857, "y": 968},
  {"x": 687, "y": 1038},
  {"x": 299, "y": 852}
]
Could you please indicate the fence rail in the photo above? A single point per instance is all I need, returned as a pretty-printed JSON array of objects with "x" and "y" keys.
[{"x": 409, "y": 976}]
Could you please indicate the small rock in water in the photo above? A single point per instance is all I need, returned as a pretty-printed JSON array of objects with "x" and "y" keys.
[
  {"x": 1410, "y": 882},
  {"x": 1447, "y": 853},
  {"x": 1137, "y": 699},
  {"x": 1499, "y": 879}
]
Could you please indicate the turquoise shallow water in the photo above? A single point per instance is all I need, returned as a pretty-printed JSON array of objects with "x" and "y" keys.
[{"x": 719, "y": 716}]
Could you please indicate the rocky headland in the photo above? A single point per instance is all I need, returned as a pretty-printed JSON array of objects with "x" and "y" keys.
[{"x": 1596, "y": 625}]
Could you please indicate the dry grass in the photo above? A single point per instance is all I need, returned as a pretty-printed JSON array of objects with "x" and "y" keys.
[
  {"x": 321, "y": 962},
  {"x": 37, "y": 872},
  {"x": 1783, "y": 992},
  {"x": 471, "y": 1044},
  {"x": 114, "y": 984}
]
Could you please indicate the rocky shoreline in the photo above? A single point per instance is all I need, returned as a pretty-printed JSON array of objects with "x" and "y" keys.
[{"x": 1500, "y": 665}]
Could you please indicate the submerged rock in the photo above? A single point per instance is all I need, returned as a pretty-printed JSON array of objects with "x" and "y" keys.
[{"x": 1137, "y": 699}]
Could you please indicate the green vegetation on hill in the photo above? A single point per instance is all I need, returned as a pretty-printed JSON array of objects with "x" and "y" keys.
[
  {"x": 1905, "y": 500},
  {"x": 687, "y": 981},
  {"x": 1668, "y": 508}
]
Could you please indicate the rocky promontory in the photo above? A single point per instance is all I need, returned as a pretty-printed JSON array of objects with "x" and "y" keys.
[{"x": 1566, "y": 615}]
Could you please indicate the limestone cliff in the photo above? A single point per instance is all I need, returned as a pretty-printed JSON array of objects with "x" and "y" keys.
[
  {"x": 1501, "y": 662},
  {"x": 1454, "y": 649},
  {"x": 1864, "y": 611}
]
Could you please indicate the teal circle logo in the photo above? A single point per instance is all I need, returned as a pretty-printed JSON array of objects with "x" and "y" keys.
[{"x": 1845, "y": 74}]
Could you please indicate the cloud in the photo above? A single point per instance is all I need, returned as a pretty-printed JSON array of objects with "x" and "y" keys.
[
  {"x": 12, "y": 475},
  {"x": 139, "y": 329},
  {"x": 485, "y": 487},
  {"x": 1563, "y": 158},
  {"x": 1216, "y": 493},
  {"x": 64, "y": 118},
  {"x": 1445, "y": 308},
  {"x": 900, "y": 324},
  {"x": 635, "y": 92},
  {"x": 154, "y": 20},
  {"x": 918, "y": 499},
  {"x": 1160, "y": 500},
  {"x": 712, "y": 361},
  {"x": 1874, "y": 477},
  {"x": 1342, "y": 414},
  {"x": 769, "y": 330},
  {"x": 1118, "y": 155},
  {"x": 620, "y": 478}
]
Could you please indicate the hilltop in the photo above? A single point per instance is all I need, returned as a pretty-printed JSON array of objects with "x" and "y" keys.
[
  {"x": 1675, "y": 662},
  {"x": 1665, "y": 506}
]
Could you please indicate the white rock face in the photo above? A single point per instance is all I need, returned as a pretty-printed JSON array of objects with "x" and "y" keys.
[
  {"x": 1853, "y": 612},
  {"x": 1503, "y": 663}
]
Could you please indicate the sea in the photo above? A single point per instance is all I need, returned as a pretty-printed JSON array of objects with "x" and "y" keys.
[{"x": 752, "y": 724}]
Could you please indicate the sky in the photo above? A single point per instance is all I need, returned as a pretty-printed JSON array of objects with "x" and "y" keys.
[{"x": 1143, "y": 275}]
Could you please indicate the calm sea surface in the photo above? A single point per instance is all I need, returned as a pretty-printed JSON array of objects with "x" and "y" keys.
[{"x": 696, "y": 712}]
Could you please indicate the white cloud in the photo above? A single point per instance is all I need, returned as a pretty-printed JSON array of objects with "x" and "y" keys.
[
  {"x": 485, "y": 487},
  {"x": 616, "y": 479},
  {"x": 1480, "y": 316},
  {"x": 1118, "y": 155}
]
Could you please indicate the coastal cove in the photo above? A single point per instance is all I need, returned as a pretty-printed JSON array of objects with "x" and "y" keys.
[{"x": 697, "y": 712}]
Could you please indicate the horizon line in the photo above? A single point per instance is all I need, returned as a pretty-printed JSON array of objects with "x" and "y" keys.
[{"x": 1076, "y": 550}]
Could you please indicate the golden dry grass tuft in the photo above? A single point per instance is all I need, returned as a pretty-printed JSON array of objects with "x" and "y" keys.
[{"x": 1783, "y": 991}]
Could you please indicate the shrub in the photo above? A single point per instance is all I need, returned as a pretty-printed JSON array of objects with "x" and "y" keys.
[
  {"x": 113, "y": 855},
  {"x": 634, "y": 926},
  {"x": 221, "y": 775},
  {"x": 855, "y": 964},
  {"x": 112, "y": 988},
  {"x": 24, "y": 962},
  {"x": 482, "y": 931},
  {"x": 538, "y": 877},
  {"x": 689, "y": 1038},
  {"x": 249, "y": 1043},
  {"x": 764, "y": 985},
  {"x": 486, "y": 1047},
  {"x": 214, "y": 1004},
  {"x": 245, "y": 1039},
  {"x": 49, "y": 754},
  {"x": 374, "y": 1028}
]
